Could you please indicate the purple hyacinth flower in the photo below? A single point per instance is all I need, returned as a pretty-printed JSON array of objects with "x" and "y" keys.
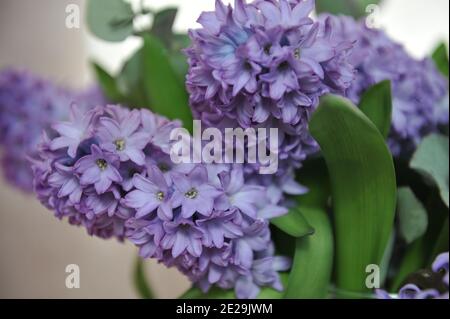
[
  {"x": 151, "y": 194},
  {"x": 213, "y": 264},
  {"x": 127, "y": 170},
  {"x": 123, "y": 138},
  {"x": 441, "y": 264},
  {"x": 74, "y": 132},
  {"x": 293, "y": 61},
  {"x": 218, "y": 227},
  {"x": 429, "y": 279},
  {"x": 182, "y": 235},
  {"x": 237, "y": 194},
  {"x": 147, "y": 235},
  {"x": 285, "y": 14},
  {"x": 98, "y": 168},
  {"x": 264, "y": 272},
  {"x": 254, "y": 239},
  {"x": 103, "y": 203},
  {"x": 68, "y": 184},
  {"x": 194, "y": 193},
  {"x": 284, "y": 73},
  {"x": 158, "y": 129},
  {"x": 242, "y": 73},
  {"x": 29, "y": 106}
]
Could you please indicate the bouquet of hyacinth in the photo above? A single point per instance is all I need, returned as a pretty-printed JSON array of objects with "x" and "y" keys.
[{"x": 356, "y": 205}]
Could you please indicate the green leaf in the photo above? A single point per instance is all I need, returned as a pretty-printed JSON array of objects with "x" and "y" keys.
[
  {"x": 163, "y": 23},
  {"x": 441, "y": 243},
  {"x": 355, "y": 8},
  {"x": 413, "y": 217},
  {"x": 293, "y": 223},
  {"x": 440, "y": 57},
  {"x": 412, "y": 261},
  {"x": 386, "y": 260},
  {"x": 140, "y": 281},
  {"x": 431, "y": 160},
  {"x": 179, "y": 42},
  {"x": 180, "y": 65},
  {"x": 177, "y": 57},
  {"x": 313, "y": 259},
  {"x": 363, "y": 187},
  {"x": 376, "y": 104},
  {"x": 110, "y": 20},
  {"x": 314, "y": 175},
  {"x": 166, "y": 94},
  {"x": 130, "y": 82},
  {"x": 108, "y": 84}
]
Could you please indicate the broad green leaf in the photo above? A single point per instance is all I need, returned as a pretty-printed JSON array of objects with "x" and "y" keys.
[
  {"x": 166, "y": 94},
  {"x": 440, "y": 57},
  {"x": 107, "y": 84},
  {"x": 363, "y": 187},
  {"x": 110, "y": 20},
  {"x": 313, "y": 259},
  {"x": 163, "y": 23},
  {"x": 140, "y": 280},
  {"x": 422, "y": 252},
  {"x": 314, "y": 175},
  {"x": 387, "y": 256},
  {"x": 130, "y": 82},
  {"x": 413, "y": 217},
  {"x": 431, "y": 160},
  {"x": 355, "y": 8},
  {"x": 412, "y": 261},
  {"x": 293, "y": 223},
  {"x": 284, "y": 243},
  {"x": 376, "y": 104},
  {"x": 179, "y": 42},
  {"x": 177, "y": 57},
  {"x": 180, "y": 65},
  {"x": 441, "y": 243}
]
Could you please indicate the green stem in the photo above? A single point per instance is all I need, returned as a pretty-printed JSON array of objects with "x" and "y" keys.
[
  {"x": 313, "y": 259},
  {"x": 140, "y": 280}
]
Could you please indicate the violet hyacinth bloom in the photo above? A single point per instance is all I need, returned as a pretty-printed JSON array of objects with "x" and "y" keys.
[
  {"x": 425, "y": 284},
  {"x": 75, "y": 156},
  {"x": 151, "y": 193},
  {"x": 194, "y": 193},
  {"x": 265, "y": 64},
  {"x": 121, "y": 138},
  {"x": 99, "y": 169},
  {"x": 29, "y": 105},
  {"x": 420, "y": 92},
  {"x": 208, "y": 221}
]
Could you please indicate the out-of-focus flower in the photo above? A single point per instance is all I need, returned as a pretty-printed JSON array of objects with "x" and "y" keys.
[
  {"x": 425, "y": 284},
  {"x": 265, "y": 64},
  {"x": 420, "y": 92},
  {"x": 206, "y": 220},
  {"x": 29, "y": 105}
]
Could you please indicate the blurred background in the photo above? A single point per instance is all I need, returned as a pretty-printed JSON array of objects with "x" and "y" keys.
[{"x": 35, "y": 247}]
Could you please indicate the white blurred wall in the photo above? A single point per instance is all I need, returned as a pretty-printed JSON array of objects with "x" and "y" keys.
[{"x": 35, "y": 247}]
